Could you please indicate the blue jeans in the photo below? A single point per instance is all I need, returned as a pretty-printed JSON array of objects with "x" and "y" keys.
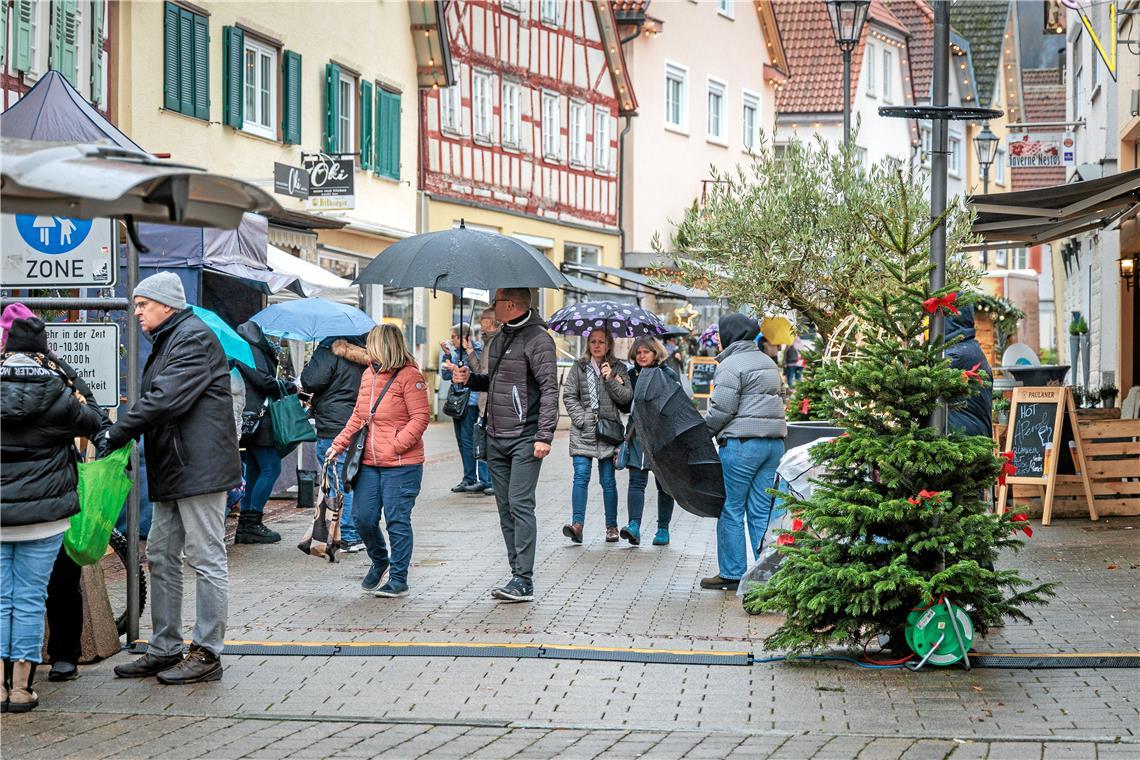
[
  {"x": 582, "y": 468},
  {"x": 347, "y": 527},
  {"x": 391, "y": 491},
  {"x": 473, "y": 471},
  {"x": 749, "y": 471},
  {"x": 262, "y": 466},
  {"x": 635, "y": 498},
  {"x": 25, "y": 567}
]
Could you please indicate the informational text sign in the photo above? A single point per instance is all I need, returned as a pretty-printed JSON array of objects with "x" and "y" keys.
[
  {"x": 331, "y": 180},
  {"x": 57, "y": 252},
  {"x": 92, "y": 350}
]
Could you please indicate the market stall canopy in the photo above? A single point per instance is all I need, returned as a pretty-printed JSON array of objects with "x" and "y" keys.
[
  {"x": 89, "y": 181},
  {"x": 598, "y": 290},
  {"x": 54, "y": 110},
  {"x": 311, "y": 280},
  {"x": 637, "y": 283},
  {"x": 1033, "y": 217}
]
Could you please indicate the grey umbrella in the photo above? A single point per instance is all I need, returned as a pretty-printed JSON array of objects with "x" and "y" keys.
[{"x": 461, "y": 258}]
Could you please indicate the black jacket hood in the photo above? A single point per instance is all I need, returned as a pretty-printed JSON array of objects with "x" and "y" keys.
[{"x": 961, "y": 323}]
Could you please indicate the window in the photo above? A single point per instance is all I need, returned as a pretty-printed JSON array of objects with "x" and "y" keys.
[
  {"x": 450, "y": 104},
  {"x": 601, "y": 139},
  {"x": 341, "y": 113},
  {"x": 861, "y": 156},
  {"x": 549, "y": 11},
  {"x": 66, "y": 38},
  {"x": 1001, "y": 258},
  {"x": 551, "y": 126},
  {"x": 999, "y": 167},
  {"x": 481, "y": 84},
  {"x": 954, "y": 160},
  {"x": 927, "y": 145},
  {"x": 750, "y": 122},
  {"x": 888, "y": 76},
  {"x": 346, "y": 96},
  {"x": 186, "y": 62},
  {"x": 387, "y": 133},
  {"x": 259, "y": 109},
  {"x": 29, "y": 51},
  {"x": 716, "y": 111},
  {"x": 724, "y": 8},
  {"x": 578, "y": 133},
  {"x": 1094, "y": 70},
  {"x": 511, "y": 5},
  {"x": 676, "y": 96},
  {"x": 1020, "y": 259},
  {"x": 869, "y": 65},
  {"x": 510, "y": 114},
  {"x": 1078, "y": 79}
]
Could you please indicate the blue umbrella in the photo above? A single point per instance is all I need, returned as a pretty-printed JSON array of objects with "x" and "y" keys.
[
  {"x": 233, "y": 344},
  {"x": 312, "y": 319}
]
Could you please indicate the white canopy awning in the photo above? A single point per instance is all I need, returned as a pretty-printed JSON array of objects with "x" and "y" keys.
[{"x": 311, "y": 279}]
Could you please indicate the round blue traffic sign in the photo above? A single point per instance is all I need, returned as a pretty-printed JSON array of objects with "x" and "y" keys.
[{"x": 52, "y": 234}]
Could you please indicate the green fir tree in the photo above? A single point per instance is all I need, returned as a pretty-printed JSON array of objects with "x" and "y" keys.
[
  {"x": 810, "y": 399},
  {"x": 897, "y": 521}
]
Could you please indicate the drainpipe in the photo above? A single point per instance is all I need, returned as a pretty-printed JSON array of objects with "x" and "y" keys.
[{"x": 621, "y": 153}]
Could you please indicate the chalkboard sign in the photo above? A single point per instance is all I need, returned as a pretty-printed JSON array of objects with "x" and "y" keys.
[
  {"x": 1034, "y": 433},
  {"x": 702, "y": 369}
]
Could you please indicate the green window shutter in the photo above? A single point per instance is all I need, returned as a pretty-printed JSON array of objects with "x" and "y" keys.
[
  {"x": 388, "y": 140},
  {"x": 233, "y": 90},
  {"x": 170, "y": 72},
  {"x": 23, "y": 12},
  {"x": 366, "y": 133},
  {"x": 98, "y": 97},
  {"x": 332, "y": 112},
  {"x": 4, "y": 34},
  {"x": 64, "y": 39},
  {"x": 291, "y": 92},
  {"x": 185, "y": 62},
  {"x": 201, "y": 56}
]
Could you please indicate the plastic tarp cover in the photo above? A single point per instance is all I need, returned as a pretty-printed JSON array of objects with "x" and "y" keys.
[
  {"x": 53, "y": 110},
  {"x": 311, "y": 279}
]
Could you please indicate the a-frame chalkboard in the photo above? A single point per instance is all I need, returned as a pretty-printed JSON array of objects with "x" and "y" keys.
[{"x": 1037, "y": 436}]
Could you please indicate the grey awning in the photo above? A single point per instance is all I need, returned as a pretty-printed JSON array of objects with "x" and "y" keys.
[
  {"x": 1033, "y": 217},
  {"x": 599, "y": 291},
  {"x": 638, "y": 283}
]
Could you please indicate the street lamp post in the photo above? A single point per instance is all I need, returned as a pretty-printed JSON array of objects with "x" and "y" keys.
[
  {"x": 986, "y": 146},
  {"x": 847, "y": 19}
]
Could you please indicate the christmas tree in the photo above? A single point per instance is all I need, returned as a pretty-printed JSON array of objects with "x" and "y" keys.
[
  {"x": 810, "y": 399},
  {"x": 898, "y": 521}
]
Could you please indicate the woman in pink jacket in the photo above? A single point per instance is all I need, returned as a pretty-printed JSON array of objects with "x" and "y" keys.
[{"x": 393, "y": 462}]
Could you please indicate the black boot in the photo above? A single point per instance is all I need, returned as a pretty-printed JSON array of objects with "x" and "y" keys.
[{"x": 251, "y": 531}]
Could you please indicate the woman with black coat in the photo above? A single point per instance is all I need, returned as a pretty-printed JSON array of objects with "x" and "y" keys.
[{"x": 259, "y": 456}]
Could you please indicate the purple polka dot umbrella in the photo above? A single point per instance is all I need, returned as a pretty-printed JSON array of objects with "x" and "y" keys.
[{"x": 618, "y": 319}]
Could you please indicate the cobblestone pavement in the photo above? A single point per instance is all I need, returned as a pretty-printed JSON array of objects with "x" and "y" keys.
[{"x": 597, "y": 595}]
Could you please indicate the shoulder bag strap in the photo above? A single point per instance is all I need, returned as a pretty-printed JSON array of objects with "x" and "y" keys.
[
  {"x": 498, "y": 361},
  {"x": 380, "y": 398}
]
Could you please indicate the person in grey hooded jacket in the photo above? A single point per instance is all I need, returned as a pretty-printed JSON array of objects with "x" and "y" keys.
[{"x": 746, "y": 414}]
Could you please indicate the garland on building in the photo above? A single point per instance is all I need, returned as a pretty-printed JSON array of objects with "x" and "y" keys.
[
  {"x": 1004, "y": 314},
  {"x": 896, "y": 522}
]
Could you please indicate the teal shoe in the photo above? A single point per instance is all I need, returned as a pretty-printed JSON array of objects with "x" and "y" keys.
[
  {"x": 662, "y": 537},
  {"x": 632, "y": 533}
]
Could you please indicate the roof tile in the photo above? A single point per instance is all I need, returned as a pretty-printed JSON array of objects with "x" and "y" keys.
[{"x": 983, "y": 24}]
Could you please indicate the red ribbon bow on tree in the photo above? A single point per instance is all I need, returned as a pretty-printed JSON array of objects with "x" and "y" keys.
[
  {"x": 972, "y": 374},
  {"x": 922, "y": 495},
  {"x": 1021, "y": 517},
  {"x": 805, "y": 405},
  {"x": 932, "y": 305},
  {"x": 1007, "y": 467},
  {"x": 787, "y": 539}
]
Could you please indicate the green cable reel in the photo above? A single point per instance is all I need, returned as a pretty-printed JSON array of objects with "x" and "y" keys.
[{"x": 940, "y": 634}]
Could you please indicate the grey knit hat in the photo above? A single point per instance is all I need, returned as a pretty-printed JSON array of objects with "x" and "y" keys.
[{"x": 164, "y": 287}]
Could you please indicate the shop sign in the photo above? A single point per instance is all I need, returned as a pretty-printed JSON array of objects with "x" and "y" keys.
[
  {"x": 290, "y": 180},
  {"x": 331, "y": 180},
  {"x": 1033, "y": 149},
  {"x": 57, "y": 252}
]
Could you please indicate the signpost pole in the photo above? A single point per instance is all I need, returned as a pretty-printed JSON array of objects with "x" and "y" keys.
[{"x": 133, "y": 499}]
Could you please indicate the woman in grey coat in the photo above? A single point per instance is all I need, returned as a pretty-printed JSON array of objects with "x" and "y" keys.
[{"x": 594, "y": 389}]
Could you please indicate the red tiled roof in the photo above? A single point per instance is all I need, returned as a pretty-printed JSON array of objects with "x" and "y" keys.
[
  {"x": 1033, "y": 177},
  {"x": 881, "y": 13},
  {"x": 1044, "y": 93},
  {"x": 919, "y": 20},
  {"x": 630, "y": 6}
]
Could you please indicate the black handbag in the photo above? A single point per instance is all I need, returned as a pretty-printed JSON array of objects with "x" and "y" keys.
[
  {"x": 355, "y": 458},
  {"x": 251, "y": 421},
  {"x": 610, "y": 431},
  {"x": 456, "y": 403}
]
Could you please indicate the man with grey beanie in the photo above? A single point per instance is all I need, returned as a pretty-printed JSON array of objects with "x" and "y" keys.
[{"x": 185, "y": 411}]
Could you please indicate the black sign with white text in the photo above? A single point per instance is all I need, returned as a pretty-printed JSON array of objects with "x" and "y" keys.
[
  {"x": 331, "y": 180},
  {"x": 290, "y": 180}
]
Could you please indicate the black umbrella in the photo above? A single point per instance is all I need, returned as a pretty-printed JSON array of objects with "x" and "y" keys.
[
  {"x": 675, "y": 331},
  {"x": 677, "y": 444},
  {"x": 618, "y": 319},
  {"x": 461, "y": 258}
]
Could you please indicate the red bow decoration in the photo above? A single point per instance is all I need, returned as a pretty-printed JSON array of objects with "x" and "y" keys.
[
  {"x": 797, "y": 524},
  {"x": 1021, "y": 517},
  {"x": 787, "y": 539},
  {"x": 972, "y": 374},
  {"x": 1007, "y": 467},
  {"x": 932, "y": 305},
  {"x": 923, "y": 494},
  {"x": 805, "y": 405}
]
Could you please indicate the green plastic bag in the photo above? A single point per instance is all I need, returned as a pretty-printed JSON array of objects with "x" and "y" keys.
[
  {"x": 103, "y": 487},
  {"x": 291, "y": 424}
]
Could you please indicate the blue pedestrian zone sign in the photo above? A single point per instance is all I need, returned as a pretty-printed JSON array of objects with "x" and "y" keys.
[{"x": 57, "y": 252}]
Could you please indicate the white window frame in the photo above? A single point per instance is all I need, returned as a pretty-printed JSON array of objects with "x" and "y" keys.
[
  {"x": 719, "y": 89},
  {"x": 926, "y": 145},
  {"x": 1000, "y": 162},
  {"x": 954, "y": 155},
  {"x": 725, "y": 8},
  {"x": 749, "y": 136},
  {"x": 1078, "y": 78},
  {"x": 888, "y": 76},
  {"x": 861, "y": 156},
  {"x": 549, "y": 11},
  {"x": 576, "y": 129},
  {"x": 869, "y": 65},
  {"x": 346, "y": 128},
  {"x": 551, "y": 126},
  {"x": 680, "y": 74},
  {"x": 451, "y": 104},
  {"x": 41, "y": 42},
  {"x": 510, "y": 113},
  {"x": 512, "y": 5},
  {"x": 1020, "y": 258},
  {"x": 267, "y": 125},
  {"x": 601, "y": 139},
  {"x": 482, "y": 105}
]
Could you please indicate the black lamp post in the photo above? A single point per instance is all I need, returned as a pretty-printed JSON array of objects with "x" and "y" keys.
[
  {"x": 847, "y": 19},
  {"x": 986, "y": 146}
]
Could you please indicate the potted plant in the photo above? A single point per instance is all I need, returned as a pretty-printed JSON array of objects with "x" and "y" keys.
[
  {"x": 1107, "y": 394},
  {"x": 1078, "y": 341},
  {"x": 1001, "y": 410}
]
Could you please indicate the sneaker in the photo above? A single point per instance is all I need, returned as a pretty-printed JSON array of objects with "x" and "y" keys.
[
  {"x": 461, "y": 487},
  {"x": 517, "y": 590},
  {"x": 661, "y": 538},
  {"x": 717, "y": 583},
  {"x": 392, "y": 589},
  {"x": 353, "y": 546},
  {"x": 199, "y": 665},
  {"x": 632, "y": 532},
  {"x": 573, "y": 531},
  {"x": 375, "y": 574}
]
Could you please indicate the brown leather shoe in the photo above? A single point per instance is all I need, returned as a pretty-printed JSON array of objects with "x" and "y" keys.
[
  {"x": 612, "y": 535},
  {"x": 573, "y": 531},
  {"x": 147, "y": 665},
  {"x": 199, "y": 665}
]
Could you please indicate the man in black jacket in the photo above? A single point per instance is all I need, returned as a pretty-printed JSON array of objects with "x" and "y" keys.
[
  {"x": 975, "y": 418},
  {"x": 333, "y": 377},
  {"x": 185, "y": 410}
]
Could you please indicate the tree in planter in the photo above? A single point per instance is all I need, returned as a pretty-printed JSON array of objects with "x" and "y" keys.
[
  {"x": 785, "y": 232},
  {"x": 897, "y": 521}
]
